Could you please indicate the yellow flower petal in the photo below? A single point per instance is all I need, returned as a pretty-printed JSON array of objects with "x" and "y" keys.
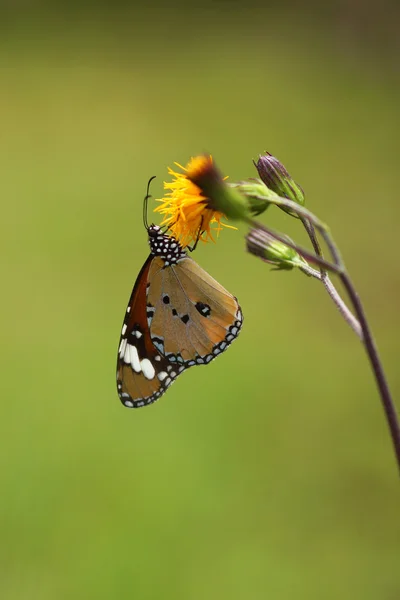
[{"x": 185, "y": 209}]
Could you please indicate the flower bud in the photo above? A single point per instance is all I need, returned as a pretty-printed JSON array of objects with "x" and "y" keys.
[
  {"x": 276, "y": 178},
  {"x": 262, "y": 244}
]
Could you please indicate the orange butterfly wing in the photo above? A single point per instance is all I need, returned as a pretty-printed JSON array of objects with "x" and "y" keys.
[{"x": 194, "y": 318}]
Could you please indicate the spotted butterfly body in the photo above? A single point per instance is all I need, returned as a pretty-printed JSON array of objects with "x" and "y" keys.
[{"x": 178, "y": 316}]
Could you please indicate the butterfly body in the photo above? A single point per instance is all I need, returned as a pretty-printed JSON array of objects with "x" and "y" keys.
[{"x": 178, "y": 316}]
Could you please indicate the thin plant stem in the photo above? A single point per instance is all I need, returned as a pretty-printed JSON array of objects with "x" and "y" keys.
[
  {"x": 376, "y": 364},
  {"x": 330, "y": 288},
  {"x": 332, "y": 291}
]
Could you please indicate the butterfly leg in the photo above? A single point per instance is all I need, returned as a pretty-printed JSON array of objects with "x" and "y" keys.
[{"x": 199, "y": 234}]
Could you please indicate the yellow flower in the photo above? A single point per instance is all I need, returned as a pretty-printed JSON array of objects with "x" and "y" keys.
[{"x": 185, "y": 208}]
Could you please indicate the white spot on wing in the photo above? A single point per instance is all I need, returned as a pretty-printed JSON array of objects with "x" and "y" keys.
[
  {"x": 122, "y": 347},
  {"x": 135, "y": 362},
  {"x": 127, "y": 355},
  {"x": 162, "y": 375},
  {"x": 138, "y": 334},
  {"x": 147, "y": 368},
  {"x": 123, "y": 329}
]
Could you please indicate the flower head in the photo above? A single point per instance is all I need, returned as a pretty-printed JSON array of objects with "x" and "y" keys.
[{"x": 187, "y": 207}]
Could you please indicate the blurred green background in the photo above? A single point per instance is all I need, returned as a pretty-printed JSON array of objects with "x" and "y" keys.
[{"x": 270, "y": 473}]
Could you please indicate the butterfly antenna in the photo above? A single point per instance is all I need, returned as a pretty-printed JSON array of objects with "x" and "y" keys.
[{"x": 146, "y": 201}]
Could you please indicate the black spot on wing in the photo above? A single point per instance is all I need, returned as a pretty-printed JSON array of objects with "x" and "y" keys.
[{"x": 203, "y": 309}]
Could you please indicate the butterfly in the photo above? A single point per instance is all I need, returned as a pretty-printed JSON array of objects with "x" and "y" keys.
[{"x": 177, "y": 317}]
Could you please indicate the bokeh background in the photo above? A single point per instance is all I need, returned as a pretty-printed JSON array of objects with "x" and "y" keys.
[{"x": 270, "y": 473}]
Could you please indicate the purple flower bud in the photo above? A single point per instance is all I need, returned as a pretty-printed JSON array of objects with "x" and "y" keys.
[{"x": 276, "y": 178}]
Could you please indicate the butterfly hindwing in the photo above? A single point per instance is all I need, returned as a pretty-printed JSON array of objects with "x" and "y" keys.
[{"x": 194, "y": 319}]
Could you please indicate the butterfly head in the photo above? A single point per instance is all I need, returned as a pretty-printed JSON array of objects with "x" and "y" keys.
[
  {"x": 161, "y": 244},
  {"x": 165, "y": 246}
]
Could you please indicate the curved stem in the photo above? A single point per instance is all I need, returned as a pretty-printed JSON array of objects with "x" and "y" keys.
[
  {"x": 333, "y": 293},
  {"x": 330, "y": 288},
  {"x": 388, "y": 405},
  {"x": 370, "y": 346},
  {"x": 338, "y": 267}
]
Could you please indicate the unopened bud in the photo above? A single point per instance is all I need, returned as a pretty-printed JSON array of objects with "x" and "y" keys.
[
  {"x": 262, "y": 244},
  {"x": 276, "y": 178}
]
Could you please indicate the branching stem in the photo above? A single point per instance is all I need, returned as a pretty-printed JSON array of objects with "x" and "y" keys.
[{"x": 332, "y": 291}]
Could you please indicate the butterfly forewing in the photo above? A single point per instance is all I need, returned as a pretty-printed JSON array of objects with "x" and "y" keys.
[{"x": 143, "y": 374}]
